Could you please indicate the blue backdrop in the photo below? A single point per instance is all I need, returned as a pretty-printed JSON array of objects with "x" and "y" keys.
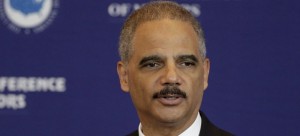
[{"x": 58, "y": 75}]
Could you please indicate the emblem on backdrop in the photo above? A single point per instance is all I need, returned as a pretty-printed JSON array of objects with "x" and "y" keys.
[{"x": 28, "y": 16}]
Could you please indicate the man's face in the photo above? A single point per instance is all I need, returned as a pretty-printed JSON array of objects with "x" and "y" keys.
[{"x": 165, "y": 57}]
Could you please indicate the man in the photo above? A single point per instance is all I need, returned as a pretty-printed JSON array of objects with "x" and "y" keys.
[{"x": 165, "y": 70}]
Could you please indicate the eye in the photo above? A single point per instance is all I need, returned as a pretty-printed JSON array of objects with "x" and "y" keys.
[
  {"x": 151, "y": 65},
  {"x": 188, "y": 64}
]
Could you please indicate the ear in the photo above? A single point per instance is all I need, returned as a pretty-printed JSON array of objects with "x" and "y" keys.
[
  {"x": 206, "y": 68},
  {"x": 123, "y": 76}
]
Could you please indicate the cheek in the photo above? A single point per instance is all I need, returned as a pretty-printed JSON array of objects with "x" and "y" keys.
[
  {"x": 144, "y": 80},
  {"x": 141, "y": 91},
  {"x": 195, "y": 83},
  {"x": 196, "y": 92},
  {"x": 140, "y": 85}
]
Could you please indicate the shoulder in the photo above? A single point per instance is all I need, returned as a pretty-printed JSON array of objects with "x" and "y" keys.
[
  {"x": 209, "y": 129},
  {"x": 134, "y": 133}
]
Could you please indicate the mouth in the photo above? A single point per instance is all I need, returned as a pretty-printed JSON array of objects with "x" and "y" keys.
[
  {"x": 170, "y": 99},
  {"x": 170, "y": 96}
]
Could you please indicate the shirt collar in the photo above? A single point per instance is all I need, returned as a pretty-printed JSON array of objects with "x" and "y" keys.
[{"x": 193, "y": 130}]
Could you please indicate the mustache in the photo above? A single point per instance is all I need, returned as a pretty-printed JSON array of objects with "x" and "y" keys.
[{"x": 170, "y": 90}]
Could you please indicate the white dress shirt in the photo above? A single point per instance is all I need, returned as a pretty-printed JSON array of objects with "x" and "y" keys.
[{"x": 193, "y": 130}]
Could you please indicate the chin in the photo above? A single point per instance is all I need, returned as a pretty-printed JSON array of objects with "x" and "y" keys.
[
  {"x": 170, "y": 116},
  {"x": 170, "y": 119}
]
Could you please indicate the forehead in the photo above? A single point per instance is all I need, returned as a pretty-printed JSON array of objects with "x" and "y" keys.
[{"x": 165, "y": 36}]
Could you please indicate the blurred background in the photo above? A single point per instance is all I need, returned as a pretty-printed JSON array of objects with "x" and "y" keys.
[{"x": 58, "y": 67}]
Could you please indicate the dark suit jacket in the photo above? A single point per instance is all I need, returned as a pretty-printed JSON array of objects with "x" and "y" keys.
[{"x": 207, "y": 129}]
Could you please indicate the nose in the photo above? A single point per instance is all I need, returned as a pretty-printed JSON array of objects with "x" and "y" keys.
[{"x": 171, "y": 75}]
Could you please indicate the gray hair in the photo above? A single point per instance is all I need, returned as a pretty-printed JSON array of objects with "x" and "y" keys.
[{"x": 156, "y": 10}]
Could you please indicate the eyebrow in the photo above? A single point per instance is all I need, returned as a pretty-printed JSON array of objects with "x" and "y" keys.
[
  {"x": 188, "y": 57},
  {"x": 150, "y": 58}
]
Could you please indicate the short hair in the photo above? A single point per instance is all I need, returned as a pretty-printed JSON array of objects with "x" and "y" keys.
[{"x": 156, "y": 10}]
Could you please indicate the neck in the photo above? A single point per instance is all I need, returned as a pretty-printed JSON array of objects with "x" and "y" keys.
[{"x": 151, "y": 127}]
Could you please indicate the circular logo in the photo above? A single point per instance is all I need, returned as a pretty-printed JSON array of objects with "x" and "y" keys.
[{"x": 28, "y": 15}]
